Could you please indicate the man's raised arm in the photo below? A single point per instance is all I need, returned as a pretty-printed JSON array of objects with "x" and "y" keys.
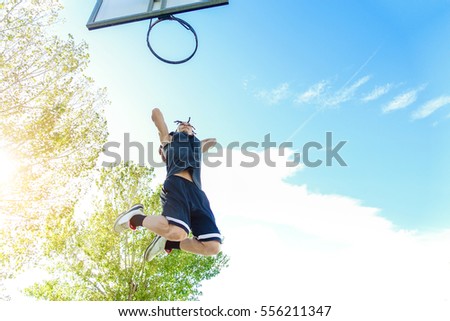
[{"x": 161, "y": 125}]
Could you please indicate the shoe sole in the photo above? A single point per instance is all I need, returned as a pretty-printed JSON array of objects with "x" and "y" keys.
[
  {"x": 150, "y": 248},
  {"x": 133, "y": 208}
]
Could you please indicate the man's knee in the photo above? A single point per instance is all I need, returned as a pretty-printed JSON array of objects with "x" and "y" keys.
[
  {"x": 212, "y": 247},
  {"x": 176, "y": 234}
]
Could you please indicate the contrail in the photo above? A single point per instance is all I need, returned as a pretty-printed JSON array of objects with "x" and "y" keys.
[
  {"x": 362, "y": 67},
  {"x": 302, "y": 125}
]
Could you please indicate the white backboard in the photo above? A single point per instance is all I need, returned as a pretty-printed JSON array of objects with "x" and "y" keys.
[{"x": 108, "y": 13}]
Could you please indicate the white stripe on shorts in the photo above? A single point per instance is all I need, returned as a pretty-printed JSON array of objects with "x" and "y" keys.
[
  {"x": 175, "y": 220},
  {"x": 209, "y": 236}
]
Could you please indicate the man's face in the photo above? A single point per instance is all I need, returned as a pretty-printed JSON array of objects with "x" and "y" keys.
[{"x": 185, "y": 128}]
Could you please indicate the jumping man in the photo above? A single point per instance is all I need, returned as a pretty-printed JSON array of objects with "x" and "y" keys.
[{"x": 185, "y": 207}]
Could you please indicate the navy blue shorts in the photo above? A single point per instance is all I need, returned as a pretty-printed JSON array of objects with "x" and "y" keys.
[{"x": 186, "y": 206}]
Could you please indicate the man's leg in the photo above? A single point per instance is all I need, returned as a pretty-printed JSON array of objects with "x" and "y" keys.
[
  {"x": 168, "y": 236},
  {"x": 190, "y": 245},
  {"x": 198, "y": 247},
  {"x": 158, "y": 224}
]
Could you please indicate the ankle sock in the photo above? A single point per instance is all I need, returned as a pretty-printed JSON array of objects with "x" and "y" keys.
[
  {"x": 137, "y": 220},
  {"x": 171, "y": 245}
]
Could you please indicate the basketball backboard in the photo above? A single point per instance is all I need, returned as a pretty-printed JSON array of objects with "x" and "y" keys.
[{"x": 114, "y": 12}]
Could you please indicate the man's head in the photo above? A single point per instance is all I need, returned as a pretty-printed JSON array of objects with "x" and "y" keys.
[{"x": 185, "y": 127}]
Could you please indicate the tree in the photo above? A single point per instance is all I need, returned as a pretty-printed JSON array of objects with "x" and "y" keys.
[
  {"x": 91, "y": 262},
  {"x": 51, "y": 119}
]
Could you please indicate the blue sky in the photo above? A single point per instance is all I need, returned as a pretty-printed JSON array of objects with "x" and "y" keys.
[
  {"x": 374, "y": 73},
  {"x": 368, "y": 66}
]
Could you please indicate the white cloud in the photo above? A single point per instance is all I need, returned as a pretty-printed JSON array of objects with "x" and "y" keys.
[
  {"x": 377, "y": 92},
  {"x": 275, "y": 95},
  {"x": 247, "y": 80},
  {"x": 430, "y": 107},
  {"x": 245, "y": 84},
  {"x": 346, "y": 93},
  {"x": 313, "y": 93},
  {"x": 290, "y": 246},
  {"x": 403, "y": 100},
  {"x": 317, "y": 93}
]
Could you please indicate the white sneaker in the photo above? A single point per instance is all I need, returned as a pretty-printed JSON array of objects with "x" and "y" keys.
[
  {"x": 122, "y": 222},
  {"x": 156, "y": 247}
]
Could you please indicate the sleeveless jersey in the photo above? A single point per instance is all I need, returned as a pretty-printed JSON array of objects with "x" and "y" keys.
[{"x": 184, "y": 152}]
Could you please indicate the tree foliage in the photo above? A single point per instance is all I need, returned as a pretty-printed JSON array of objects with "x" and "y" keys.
[
  {"x": 51, "y": 120},
  {"x": 51, "y": 113},
  {"x": 91, "y": 262}
]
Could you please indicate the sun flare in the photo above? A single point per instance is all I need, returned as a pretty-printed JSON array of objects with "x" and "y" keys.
[{"x": 8, "y": 167}]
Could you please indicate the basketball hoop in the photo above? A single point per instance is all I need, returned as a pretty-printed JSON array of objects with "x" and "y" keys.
[
  {"x": 108, "y": 13},
  {"x": 181, "y": 22}
]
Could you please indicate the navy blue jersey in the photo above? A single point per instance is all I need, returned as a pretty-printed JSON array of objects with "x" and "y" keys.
[{"x": 184, "y": 152}]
